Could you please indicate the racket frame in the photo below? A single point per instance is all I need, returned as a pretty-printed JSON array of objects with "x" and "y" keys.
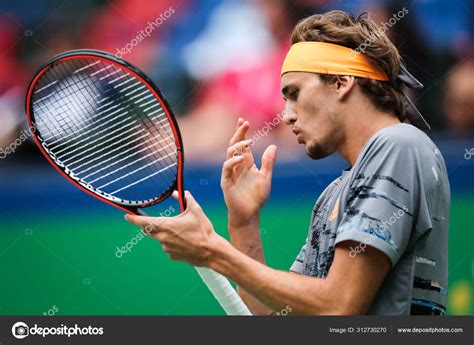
[{"x": 109, "y": 58}]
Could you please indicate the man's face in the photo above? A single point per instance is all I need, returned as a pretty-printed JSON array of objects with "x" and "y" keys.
[{"x": 311, "y": 110}]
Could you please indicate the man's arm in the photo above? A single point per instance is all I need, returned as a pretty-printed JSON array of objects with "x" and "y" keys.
[
  {"x": 246, "y": 188},
  {"x": 349, "y": 288},
  {"x": 247, "y": 240}
]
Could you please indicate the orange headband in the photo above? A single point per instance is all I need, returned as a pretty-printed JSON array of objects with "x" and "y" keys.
[{"x": 328, "y": 58}]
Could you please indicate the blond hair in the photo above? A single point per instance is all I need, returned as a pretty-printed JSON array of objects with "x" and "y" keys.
[{"x": 364, "y": 36}]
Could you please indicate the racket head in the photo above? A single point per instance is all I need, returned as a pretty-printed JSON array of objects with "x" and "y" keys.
[{"x": 77, "y": 105}]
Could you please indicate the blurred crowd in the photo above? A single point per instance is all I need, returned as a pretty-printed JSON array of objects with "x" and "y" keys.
[{"x": 217, "y": 60}]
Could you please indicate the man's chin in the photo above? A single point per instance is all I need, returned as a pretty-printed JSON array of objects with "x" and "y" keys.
[{"x": 316, "y": 151}]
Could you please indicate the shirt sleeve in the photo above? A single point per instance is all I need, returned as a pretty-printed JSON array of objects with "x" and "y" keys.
[
  {"x": 297, "y": 265},
  {"x": 381, "y": 199}
]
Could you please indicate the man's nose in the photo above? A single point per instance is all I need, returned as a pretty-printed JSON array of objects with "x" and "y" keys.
[{"x": 289, "y": 116}]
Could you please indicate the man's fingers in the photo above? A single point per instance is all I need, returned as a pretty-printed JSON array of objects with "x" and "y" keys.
[
  {"x": 188, "y": 196},
  {"x": 239, "y": 148},
  {"x": 143, "y": 222},
  {"x": 228, "y": 166},
  {"x": 239, "y": 134},
  {"x": 175, "y": 195},
  {"x": 268, "y": 161},
  {"x": 191, "y": 203},
  {"x": 240, "y": 121}
]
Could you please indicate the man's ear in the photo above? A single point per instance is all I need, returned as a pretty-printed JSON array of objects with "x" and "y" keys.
[{"x": 344, "y": 84}]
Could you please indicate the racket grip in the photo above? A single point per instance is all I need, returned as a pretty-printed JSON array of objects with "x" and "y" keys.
[{"x": 224, "y": 293}]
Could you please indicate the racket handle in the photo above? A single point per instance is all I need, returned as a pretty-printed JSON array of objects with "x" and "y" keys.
[
  {"x": 220, "y": 287},
  {"x": 224, "y": 293}
]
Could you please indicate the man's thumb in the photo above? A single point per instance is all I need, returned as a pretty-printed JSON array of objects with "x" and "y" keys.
[{"x": 268, "y": 160}]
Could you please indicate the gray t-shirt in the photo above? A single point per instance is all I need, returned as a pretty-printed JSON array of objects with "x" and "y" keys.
[{"x": 395, "y": 198}]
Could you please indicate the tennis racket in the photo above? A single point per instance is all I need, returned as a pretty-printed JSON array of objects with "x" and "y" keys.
[{"x": 107, "y": 128}]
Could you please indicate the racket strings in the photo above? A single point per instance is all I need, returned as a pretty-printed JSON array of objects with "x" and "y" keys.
[
  {"x": 110, "y": 73},
  {"x": 102, "y": 113},
  {"x": 107, "y": 128}
]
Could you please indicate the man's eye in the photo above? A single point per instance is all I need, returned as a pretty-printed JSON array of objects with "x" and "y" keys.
[{"x": 294, "y": 94}]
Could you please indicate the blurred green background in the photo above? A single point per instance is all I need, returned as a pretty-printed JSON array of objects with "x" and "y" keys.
[
  {"x": 69, "y": 261},
  {"x": 59, "y": 260}
]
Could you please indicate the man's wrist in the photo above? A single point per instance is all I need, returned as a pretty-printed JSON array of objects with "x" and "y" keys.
[
  {"x": 246, "y": 238},
  {"x": 251, "y": 223},
  {"x": 218, "y": 247}
]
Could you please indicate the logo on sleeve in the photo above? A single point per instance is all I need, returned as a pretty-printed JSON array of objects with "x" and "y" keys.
[{"x": 334, "y": 212}]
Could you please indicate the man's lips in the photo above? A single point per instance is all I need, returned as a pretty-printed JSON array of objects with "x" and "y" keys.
[{"x": 297, "y": 132}]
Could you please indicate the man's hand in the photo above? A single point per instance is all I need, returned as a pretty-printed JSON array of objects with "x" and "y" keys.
[
  {"x": 245, "y": 187},
  {"x": 187, "y": 237}
]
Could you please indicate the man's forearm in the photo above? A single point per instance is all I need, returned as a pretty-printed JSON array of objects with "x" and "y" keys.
[
  {"x": 275, "y": 289},
  {"x": 247, "y": 239}
]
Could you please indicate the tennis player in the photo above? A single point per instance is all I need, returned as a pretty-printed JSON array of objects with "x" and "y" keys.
[{"x": 377, "y": 242}]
